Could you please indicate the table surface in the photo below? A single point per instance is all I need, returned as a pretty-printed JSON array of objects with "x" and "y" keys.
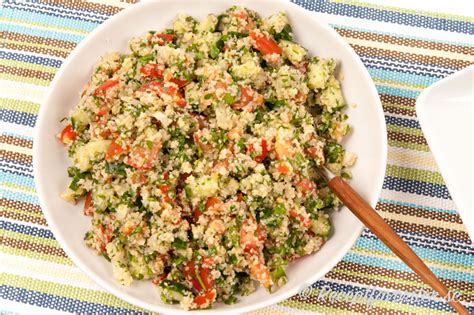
[{"x": 404, "y": 48}]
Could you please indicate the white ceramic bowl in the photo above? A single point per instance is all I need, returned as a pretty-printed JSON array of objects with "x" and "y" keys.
[{"x": 368, "y": 141}]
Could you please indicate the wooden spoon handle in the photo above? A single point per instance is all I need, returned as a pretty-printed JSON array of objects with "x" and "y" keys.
[{"x": 386, "y": 234}]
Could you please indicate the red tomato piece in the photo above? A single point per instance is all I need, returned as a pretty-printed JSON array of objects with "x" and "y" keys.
[
  {"x": 283, "y": 168},
  {"x": 306, "y": 185},
  {"x": 213, "y": 202},
  {"x": 104, "y": 87},
  {"x": 265, "y": 44},
  {"x": 165, "y": 37},
  {"x": 88, "y": 210},
  {"x": 152, "y": 70},
  {"x": 144, "y": 158},
  {"x": 204, "y": 273},
  {"x": 305, "y": 220},
  {"x": 114, "y": 150},
  {"x": 263, "y": 155},
  {"x": 205, "y": 298},
  {"x": 104, "y": 110},
  {"x": 157, "y": 280},
  {"x": 67, "y": 134}
]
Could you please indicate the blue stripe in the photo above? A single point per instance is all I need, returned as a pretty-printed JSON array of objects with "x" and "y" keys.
[
  {"x": 18, "y": 196},
  {"x": 399, "y": 76},
  {"x": 418, "y": 206},
  {"x": 426, "y": 39},
  {"x": 332, "y": 289},
  {"x": 26, "y": 170},
  {"x": 430, "y": 242},
  {"x": 397, "y": 92},
  {"x": 41, "y": 33},
  {"x": 401, "y": 266},
  {"x": 18, "y": 12},
  {"x": 402, "y": 122},
  {"x": 416, "y": 187},
  {"x": 8, "y": 162},
  {"x": 372, "y": 66},
  {"x": 17, "y": 180},
  {"x": 379, "y": 14},
  {"x": 17, "y": 173},
  {"x": 60, "y": 303},
  {"x": 25, "y": 229},
  {"x": 88, "y": 12},
  {"x": 19, "y": 118},
  {"x": 31, "y": 59},
  {"x": 422, "y": 252}
]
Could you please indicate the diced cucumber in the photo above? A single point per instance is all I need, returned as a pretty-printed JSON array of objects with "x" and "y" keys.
[
  {"x": 322, "y": 226},
  {"x": 292, "y": 51},
  {"x": 208, "y": 24},
  {"x": 92, "y": 150},
  {"x": 319, "y": 71}
]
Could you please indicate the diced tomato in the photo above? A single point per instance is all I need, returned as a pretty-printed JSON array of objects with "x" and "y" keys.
[
  {"x": 205, "y": 298},
  {"x": 305, "y": 220},
  {"x": 103, "y": 236},
  {"x": 104, "y": 87},
  {"x": 204, "y": 273},
  {"x": 260, "y": 273},
  {"x": 306, "y": 185},
  {"x": 240, "y": 197},
  {"x": 152, "y": 70},
  {"x": 104, "y": 110},
  {"x": 165, "y": 188},
  {"x": 114, "y": 150},
  {"x": 264, "y": 153},
  {"x": 166, "y": 175},
  {"x": 88, "y": 210},
  {"x": 157, "y": 280},
  {"x": 128, "y": 228},
  {"x": 248, "y": 96},
  {"x": 265, "y": 44},
  {"x": 105, "y": 133},
  {"x": 214, "y": 203},
  {"x": 165, "y": 37},
  {"x": 144, "y": 158},
  {"x": 283, "y": 168},
  {"x": 159, "y": 88},
  {"x": 180, "y": 83},
  {"x": 67, "y": 135}
]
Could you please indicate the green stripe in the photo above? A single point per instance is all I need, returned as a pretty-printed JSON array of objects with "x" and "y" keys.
[
  {"x": 309, "y": 306},
  {"x": 31, "y": 239},
  {"x": 405, "y": 130},
  {"x": 36, "y": 255},
  {"x": 447, "y": 16},
  {"x": 393, "y": 105},
  {"x": 408, "y": 145},
  {"x": 66, "y": 291},
  {"x": 414, "y": 174},
  {"x": 28, "y": 66}
]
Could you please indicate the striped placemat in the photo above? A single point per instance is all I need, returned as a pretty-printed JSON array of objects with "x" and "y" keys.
[{"x": 404, "y": 51}]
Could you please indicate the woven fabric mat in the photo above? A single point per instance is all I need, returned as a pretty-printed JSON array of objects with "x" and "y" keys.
[{"x": 404, "y": 51}]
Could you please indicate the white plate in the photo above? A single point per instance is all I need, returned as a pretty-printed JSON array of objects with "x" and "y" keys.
[
  {"x": 445, "y": 114},
  {"x": 368, "y": 141}
]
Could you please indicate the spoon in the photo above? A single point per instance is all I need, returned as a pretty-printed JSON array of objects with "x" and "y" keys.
[{"x": 365, "y": 213}]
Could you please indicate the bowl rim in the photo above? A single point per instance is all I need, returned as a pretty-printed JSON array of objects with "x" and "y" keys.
[{"x": 331, "y": 262}]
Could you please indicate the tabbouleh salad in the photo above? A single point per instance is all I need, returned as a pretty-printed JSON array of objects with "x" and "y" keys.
[{"x": 197, "y": 153}]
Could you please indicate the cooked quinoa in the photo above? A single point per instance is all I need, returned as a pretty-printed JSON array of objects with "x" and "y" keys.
[{"x": 198, "y": 151}]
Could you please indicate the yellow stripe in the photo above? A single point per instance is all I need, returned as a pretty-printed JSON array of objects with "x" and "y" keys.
[
  {"x": 19, "y": 78},
  {"x": 15, "y": 148},
  {"x": 18, "y": 188},
  {"x": 398, "y": 85},
  {"x": 43, "y": 26}
]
